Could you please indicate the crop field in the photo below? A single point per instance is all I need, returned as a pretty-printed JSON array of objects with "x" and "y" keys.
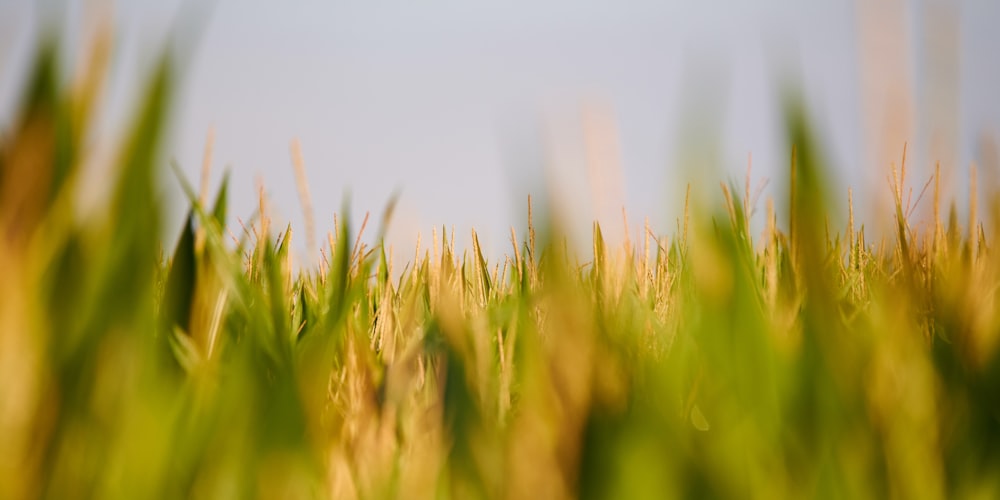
[{"x": 812, "y": 360}]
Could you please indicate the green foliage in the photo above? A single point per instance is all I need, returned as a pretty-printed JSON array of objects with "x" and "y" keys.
[{"x": 718, "y": 365}]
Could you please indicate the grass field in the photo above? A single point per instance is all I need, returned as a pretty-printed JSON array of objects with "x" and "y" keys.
[{"x": 815, "y": 361}]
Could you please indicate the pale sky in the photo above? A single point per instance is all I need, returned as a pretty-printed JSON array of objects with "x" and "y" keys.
[{"x": 460, "y": 106}]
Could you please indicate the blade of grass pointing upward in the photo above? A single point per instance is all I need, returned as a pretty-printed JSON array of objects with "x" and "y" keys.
[
  {"x": 484, "y": 276},
  {"x": 39, "y": 157},
  {"x": 221, "y": 202},
  {"x": 339, "y": 278},
  {"x": 116, "y": 309},
  {"x": 181, "y": 281}
]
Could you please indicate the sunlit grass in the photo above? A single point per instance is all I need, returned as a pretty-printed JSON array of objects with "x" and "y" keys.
[{"x": 810, "y": 362}]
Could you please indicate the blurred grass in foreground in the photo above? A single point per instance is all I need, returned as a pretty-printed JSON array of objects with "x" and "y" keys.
[{"x": 812, "y": 363}]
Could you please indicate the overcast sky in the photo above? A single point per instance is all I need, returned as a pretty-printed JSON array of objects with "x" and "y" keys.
[{"x": 463, "y": 107}]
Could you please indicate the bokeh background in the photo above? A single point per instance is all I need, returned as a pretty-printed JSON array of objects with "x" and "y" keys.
[{"x": 465, "y": 108}]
